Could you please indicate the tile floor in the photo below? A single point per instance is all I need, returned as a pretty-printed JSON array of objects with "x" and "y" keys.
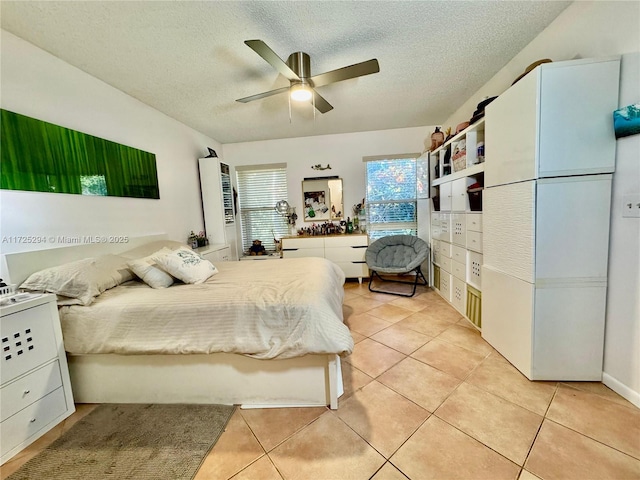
[{"x": 425, "y": 398}]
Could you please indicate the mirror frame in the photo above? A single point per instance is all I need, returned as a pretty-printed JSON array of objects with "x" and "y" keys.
[{"x": 326, "y": 194}]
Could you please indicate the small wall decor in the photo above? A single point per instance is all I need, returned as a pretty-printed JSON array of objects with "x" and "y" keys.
[
  {"x": 42, "y": 157},
  {"x": 320, "y": 167},
  {"x": 626, "y": 120}
]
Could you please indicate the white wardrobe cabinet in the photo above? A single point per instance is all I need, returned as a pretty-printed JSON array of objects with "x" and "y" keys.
[
  {"x": 545, "y": 225},
  {"x": 217, "y": 203}
]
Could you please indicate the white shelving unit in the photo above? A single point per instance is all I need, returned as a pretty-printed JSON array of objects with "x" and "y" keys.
[{"x": 456, "y": 229}]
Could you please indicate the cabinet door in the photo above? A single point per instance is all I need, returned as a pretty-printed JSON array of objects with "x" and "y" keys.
[
  {"x": 445, "y": 197},
  {"x": 507, "y": 317},
  {"x": 459, "y": 229},
  {"x": 511, "y": 128},
  {"x": 580, "y": 94},
  {"x": 459, "y": 195},
  {"x": 572, "y": 227},
  {"x": 509, "y": 229}
]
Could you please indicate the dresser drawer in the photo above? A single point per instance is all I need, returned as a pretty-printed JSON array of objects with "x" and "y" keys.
[
  {"x": 346, "y": 241},
  {"x": 459, "y": 295},
  {"x": 353, "y": 270},
  {"x": 445, "y": 264},
  {"x": 474, "y": 241},
  {"x": 445, "y": 227},
  {"x": 345, "y": 254},
  {"x": 474, "y": 222},
  {"x": 302, "y": 252},
  {"x": 459, "y": 229},
  {"x": 459, "y": 254},
  {"x": 23, "y": 392},
  {"x": 28, "y": 422},
  {"x": 445, "y": 285},
  {"x": 303, "y": 242},
  {"x": 445, "y": 249},
  {"x": 437, "y": 258},
  {"x": 474, "y": 270},
  {"x": 458, "y": 270},
  {"x": 27, "y": 340}
]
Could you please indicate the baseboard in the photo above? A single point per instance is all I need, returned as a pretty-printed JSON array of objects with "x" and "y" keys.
[{"x": 621, "y": 389}]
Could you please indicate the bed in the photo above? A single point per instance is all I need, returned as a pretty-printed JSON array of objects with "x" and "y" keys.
[{"x": 251, "y": 334}]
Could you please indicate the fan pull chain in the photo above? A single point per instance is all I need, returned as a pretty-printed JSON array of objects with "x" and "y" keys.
[
  {"x": 289, "y": 108},
  {"x": 313, "y": 103}
]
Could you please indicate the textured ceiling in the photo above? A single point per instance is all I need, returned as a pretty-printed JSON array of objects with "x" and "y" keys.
[{"x": 188, "y": 60}]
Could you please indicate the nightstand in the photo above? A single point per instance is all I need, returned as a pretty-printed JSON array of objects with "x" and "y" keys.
[
  {"x": 35, "y": 389},
  {"x": 215, "y": 253}
]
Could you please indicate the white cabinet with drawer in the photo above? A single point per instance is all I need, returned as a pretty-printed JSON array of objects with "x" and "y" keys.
[
  {"x": 346, "y": 251},
  {"x": 215, "y": 253},
  {"x": 36, "y": 391}
]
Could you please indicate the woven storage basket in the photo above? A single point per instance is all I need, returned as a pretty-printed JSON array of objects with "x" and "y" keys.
[{"x": 459, "y": 161}]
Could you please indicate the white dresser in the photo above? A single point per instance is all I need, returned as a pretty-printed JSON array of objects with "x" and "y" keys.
[
  {"x": 549, "y": 157},
  {"x": 36, "y": 390},
  {"x": 346, "y": 251}
]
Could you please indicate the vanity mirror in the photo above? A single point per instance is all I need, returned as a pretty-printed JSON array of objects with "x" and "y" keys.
[{"x": 322, "y": 199}]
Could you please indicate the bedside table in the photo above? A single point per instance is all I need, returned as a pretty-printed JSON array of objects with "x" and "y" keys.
[
  {"x": 35, "y": 389},
  {"x": 215, "y": 253}
]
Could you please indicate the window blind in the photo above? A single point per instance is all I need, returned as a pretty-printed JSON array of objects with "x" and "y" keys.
[
  {"x": 260, "y": 187},
  {"x": 391, "y": 205}
]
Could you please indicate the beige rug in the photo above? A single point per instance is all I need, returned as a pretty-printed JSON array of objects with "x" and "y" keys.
[{"x": 124, "y": 441}]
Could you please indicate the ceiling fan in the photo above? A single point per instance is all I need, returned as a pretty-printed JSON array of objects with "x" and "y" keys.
[{"x": 297, "y": 69}]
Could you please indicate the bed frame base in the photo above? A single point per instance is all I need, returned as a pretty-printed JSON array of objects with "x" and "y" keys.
[{"x": 220, "y": 378}]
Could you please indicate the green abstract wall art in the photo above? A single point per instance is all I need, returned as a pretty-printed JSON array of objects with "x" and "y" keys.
[{"x": 41, "y": 157}]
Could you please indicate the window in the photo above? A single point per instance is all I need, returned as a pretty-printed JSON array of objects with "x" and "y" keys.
[
  {"x": 260, "y": 187},
  {"x": 391, "y": 195}
]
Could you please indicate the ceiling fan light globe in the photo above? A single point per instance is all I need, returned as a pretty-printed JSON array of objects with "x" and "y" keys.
[{"x": 300, "y": 93}]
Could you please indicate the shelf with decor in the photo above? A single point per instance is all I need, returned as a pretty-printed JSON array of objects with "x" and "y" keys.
[{"x": 463, "y": 151}]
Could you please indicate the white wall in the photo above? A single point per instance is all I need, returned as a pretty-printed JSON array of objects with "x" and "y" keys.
[
  {"x": 39, "y": 85},
  {"x": 343, "y": 152},
  {"x": 584, "y": 30}
]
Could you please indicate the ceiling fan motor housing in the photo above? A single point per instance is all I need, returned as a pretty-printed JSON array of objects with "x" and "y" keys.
[{"x": 300, "y": 63}]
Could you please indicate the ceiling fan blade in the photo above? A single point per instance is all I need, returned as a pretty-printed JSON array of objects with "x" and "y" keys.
[
  {"x": 271, "y": 58},
  {"x": 345, "y": 73},
  {"x": 263, "y": 95},
  {"x": 321, "y": 104}
]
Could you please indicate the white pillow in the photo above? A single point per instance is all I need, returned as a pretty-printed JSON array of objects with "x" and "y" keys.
[
  {"x": 149, "y": 272},
  {"x": 82, "y": 280},
  {"x": 186, "y": 265}
]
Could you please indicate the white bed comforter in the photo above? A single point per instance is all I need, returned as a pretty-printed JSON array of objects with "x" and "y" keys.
[{"x": 263, "y": 309}]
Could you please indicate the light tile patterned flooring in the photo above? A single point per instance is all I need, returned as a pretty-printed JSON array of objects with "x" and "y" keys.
[{"x": 425, "y": 398}]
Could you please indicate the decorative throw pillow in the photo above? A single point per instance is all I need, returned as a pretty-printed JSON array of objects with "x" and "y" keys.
[
  {"x": 147, "y": 269},
  {"x": 186, "y": 265},
  {"x": 82, "y": 280}
]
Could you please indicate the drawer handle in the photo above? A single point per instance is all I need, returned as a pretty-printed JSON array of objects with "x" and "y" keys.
[
  {"x": 32, "y": 420},
  {"x": 289, "y": 249},
  {"x": 27, "y": 392}
]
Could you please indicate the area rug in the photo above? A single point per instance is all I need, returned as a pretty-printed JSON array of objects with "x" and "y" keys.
[{"x": 127, "y": 441}]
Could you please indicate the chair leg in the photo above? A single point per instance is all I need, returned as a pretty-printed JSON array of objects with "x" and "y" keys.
[{"x": 419, "y": 275}]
